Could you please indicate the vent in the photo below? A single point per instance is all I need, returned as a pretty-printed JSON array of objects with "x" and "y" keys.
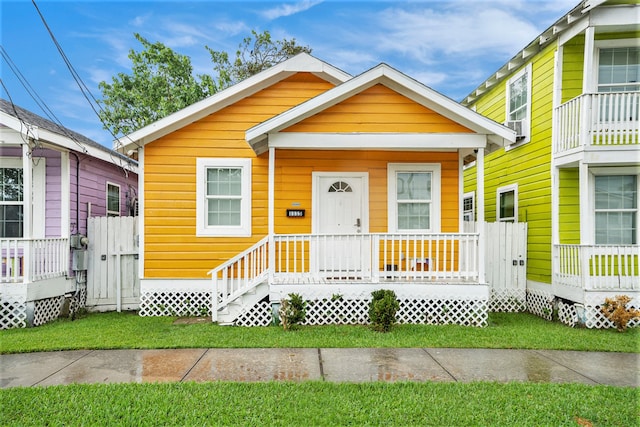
[{"x": 518, "y": 126}]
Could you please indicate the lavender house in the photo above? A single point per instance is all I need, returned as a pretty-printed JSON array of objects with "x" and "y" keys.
[{"x": 53, "y": 179}]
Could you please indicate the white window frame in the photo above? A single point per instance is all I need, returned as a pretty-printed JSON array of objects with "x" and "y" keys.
[
  {"x": 38, "y": 192},
  {"x": 605, "y": 44},
  {"x": 244, "y": 229},
  {"x": 436, "y": 208},
  {"x": 592, "y": 193},
  {"x": 15, "y": 163},
  {"x": 106, "y": 197},
  {"x": 526, "y": 128},
  {"x": 499, "y": 192},
  {"x": 470, "y": 195}
]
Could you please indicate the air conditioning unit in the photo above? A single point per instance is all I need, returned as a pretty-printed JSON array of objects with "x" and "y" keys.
[{"x": 519, "y": 126}]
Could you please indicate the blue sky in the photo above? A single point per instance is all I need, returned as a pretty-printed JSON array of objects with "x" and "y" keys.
[{"x": 449, "y": 45}]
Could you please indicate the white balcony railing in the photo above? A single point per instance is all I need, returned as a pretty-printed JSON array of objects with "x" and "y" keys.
[
  {"x": 27, "y": 260},
  {"x": 598, "y": 119},
  {"x": 597, "y": 267}
]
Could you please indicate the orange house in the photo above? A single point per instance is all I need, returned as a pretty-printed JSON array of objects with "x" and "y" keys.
[{"x": 305, "y": 179}]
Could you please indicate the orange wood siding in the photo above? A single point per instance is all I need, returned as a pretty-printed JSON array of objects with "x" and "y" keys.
[
  {"x": 294, "y": 181},
  {"x": 171, "y": 246},
  {"x": 378, "y": 109}
]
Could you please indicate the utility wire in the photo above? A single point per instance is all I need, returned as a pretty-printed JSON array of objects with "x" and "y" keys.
[
  {"x": 38, "y": 100},
  {"x": 83, "y": 87}
]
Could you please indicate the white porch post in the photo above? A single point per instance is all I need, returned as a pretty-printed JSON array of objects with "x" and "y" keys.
[
  {"x": 27, "y": 212},
  {"x": 480, "y": 208},
  {"x": 271, "y": 214},
  {"x": 586, "y": 224},
  {"x": 65, "y": 194}
]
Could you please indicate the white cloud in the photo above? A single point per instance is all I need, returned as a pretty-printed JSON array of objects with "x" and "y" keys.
[
  {"x": 426, "y": 34},
  {"x": 289, "y": 9}
]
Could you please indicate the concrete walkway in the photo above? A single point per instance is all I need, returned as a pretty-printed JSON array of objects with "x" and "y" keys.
[{"x": 319, "y": 364}]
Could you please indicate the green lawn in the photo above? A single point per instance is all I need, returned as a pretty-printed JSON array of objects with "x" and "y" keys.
[
  {"x": 128, "y": 330},
  {"x": 317, "y": 403}
]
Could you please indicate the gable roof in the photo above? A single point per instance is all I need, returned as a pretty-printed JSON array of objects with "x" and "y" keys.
[
  {"x": 302, "y": 62},
  {"x": 27, "y": 123},
  {"x": 395, "y": 80},
  {"x": 570, "y": 24}
]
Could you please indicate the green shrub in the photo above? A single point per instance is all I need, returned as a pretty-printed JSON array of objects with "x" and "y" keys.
[
  {"x": 382, "y": 309},
  {"x": 292, "y": 311}
]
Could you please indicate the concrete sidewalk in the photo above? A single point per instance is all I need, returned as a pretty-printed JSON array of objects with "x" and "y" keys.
[{"x": 319, "y": 364}]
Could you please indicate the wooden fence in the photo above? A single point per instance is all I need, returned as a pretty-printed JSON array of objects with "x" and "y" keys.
[{"x": 112, "y": 274}]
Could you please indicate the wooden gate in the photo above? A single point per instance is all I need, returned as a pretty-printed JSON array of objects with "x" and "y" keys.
[
  {"x": 112, "y": 270},
  {"x": 505, "y": 263},
  {"x": 506, "y": 255}
]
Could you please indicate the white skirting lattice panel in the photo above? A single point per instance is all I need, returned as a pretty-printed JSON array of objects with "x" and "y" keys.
[
  {"x": 356, "y": 312},
  {"x": 540, "y": 303},
  {"x": 168, "y": 303},
  {"x": 508, "y": 300},
  {"x": 567, "y": 313},
  {"x": 13, "y": 314},
  {"x": 46, "y": 310}
]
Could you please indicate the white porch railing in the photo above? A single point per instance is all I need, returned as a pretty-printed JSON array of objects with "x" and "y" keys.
[
  {"x": 27, "y": 260},
  {"x": 597, "y": 267},
  {"x": 239, "y": 275},
  {"x": 309, "y": 258},
  {"x": 597, "y": 119}
]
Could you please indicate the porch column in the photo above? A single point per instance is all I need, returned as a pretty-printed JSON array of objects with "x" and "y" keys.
[
  {"x": 27, "y": 213},
  {"x": 271, "y": 214},
  {"x": 588, "y": 75},
  {"x": 65, "y": 194},
  {"x": 480, "y": 209},
  {"x": 586, "y": 223}
]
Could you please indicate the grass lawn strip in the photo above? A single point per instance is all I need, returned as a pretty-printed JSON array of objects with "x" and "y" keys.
[
  {"x": 130, "y": 331},
  {"x": 317, "y": 403}
]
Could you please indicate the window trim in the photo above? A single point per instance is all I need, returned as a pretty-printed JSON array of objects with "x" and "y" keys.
[
  {"x": 605, "y": 44},
  {"x": 592, "y": 193},
  {"x": 506, "y": 189},
  {"x": 110, "y": 212},
  {"x": 244, "y": 229},
  {"x": 469, "y": 195},
  {"x": 392, "y": 201},
  {"x": 527, "y": 120},
  {"x": 15, "y": 163}
]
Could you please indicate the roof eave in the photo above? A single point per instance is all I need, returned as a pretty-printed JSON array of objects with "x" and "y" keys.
[{"x": 300, "y": 63}]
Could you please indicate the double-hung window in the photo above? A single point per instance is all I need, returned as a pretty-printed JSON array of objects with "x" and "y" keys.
[
  {"x": 507, "y": 203},
  {"x": 113, "y": 199},
  {"x": 618, "y": 71},
  {"x": 616, "y": 209},
  {"x": 223, "y": 206},
  {"x": 519, "y": 102},
  {"x": 414, "y": 197},
  {"x": 468, "y": 206},
  {"x": 11, "y": 199}
]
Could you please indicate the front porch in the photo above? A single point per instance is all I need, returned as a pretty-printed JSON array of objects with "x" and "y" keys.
[{"x": 33, "y": 280}]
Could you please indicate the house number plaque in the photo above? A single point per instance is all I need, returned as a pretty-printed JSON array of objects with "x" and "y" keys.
[{"x": 295, "y": 213}]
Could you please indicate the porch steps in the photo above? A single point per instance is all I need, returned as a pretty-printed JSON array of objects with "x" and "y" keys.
[{"x": 230, "y": 312}]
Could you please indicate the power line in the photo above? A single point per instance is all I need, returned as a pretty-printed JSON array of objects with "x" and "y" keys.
[
  {"x": 38, "y": 100},
  {"x": 83, "y": 87}
]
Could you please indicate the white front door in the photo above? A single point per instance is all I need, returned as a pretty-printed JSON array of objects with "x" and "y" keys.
[{"x": 340, "y": 212}]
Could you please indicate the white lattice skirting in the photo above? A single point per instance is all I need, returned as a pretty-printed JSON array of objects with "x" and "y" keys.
[
  {"x": 540, "y": 303},
  {"x": 169, "y": 303},
  {"x": 356, "y": 312},
  {"x": 568, "y": 313},
  {"x": 47, "y": 310},
  {"x": 508, "y": 300},
  {"x": 13, "y": 314}
]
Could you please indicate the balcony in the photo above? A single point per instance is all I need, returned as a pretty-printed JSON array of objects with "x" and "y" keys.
[{"x": 602, "y": 123}]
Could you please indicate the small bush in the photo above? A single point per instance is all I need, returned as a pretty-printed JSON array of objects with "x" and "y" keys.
[
  {"x": 615, "y": 309},
  {"x": 292, "y": 311},
  {"x": 382, "y": 309}
]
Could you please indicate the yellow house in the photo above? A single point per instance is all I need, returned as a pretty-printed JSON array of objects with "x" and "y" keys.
[{"x": 305, "y": 179}]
